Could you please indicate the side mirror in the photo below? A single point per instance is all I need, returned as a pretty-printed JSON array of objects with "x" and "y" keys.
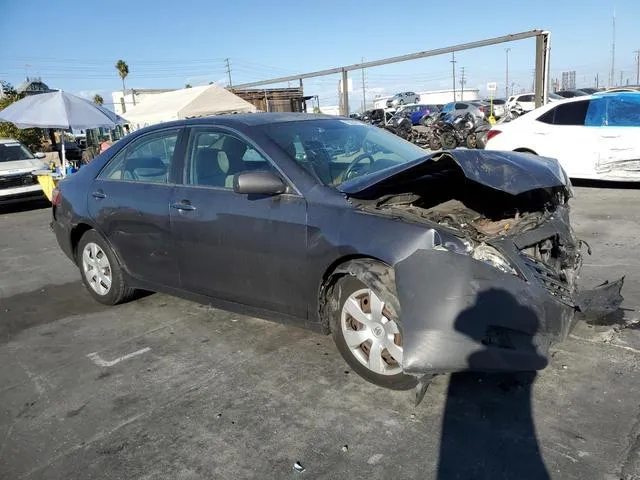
[
  {"x": 258, "y": 182},
  {"x": 39, "y": 155}
]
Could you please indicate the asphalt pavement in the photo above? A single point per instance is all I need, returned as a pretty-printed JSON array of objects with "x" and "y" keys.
[{"x": 163, "y": 388}]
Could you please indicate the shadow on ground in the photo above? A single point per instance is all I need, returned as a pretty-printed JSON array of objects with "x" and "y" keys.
[
  {"x": 577, "y": 182},
  {"x": 45, "y": 305},
  {"x": 25, "y": 206}
]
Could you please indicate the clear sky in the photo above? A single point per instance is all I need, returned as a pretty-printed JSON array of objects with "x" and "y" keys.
[{"x": 74, "y": 45}]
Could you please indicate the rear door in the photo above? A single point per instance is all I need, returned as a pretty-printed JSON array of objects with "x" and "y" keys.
[
  {"x": 245, "y": 249},
  {"x": 619, "y": 146},
  {"x": 561, "y": 133},
  {"x": 129, "y": 202}
]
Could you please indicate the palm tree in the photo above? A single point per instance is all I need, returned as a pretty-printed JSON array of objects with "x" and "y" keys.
[
  {"x": 123, "y": 71},
  {"x": 97, "y": 99}
]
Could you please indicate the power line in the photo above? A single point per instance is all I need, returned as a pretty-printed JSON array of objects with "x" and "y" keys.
[{"x": 462, "y": 82}]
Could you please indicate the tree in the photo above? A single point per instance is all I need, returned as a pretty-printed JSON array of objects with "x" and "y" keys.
[
  {"x": 97, "y": 99},
  {"x": 123, "y": 71},
  {"x": 188, "y": 85},
  {"x": 32, "y": 137}
]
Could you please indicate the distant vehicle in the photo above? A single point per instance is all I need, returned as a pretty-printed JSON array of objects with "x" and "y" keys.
[
  {"x": 16, "y": 164},
  {"x": 571, "y": 93},
  {"x": 594, "y": 137},
  {"x": 498, "y": 106},
  {"x": 589, "y": 90},
  {"x": 630, "y": 88},
  {"x": 416, "y": 112},
  {"x": 376, "y": 116},
  {"x": 478, "y": 110},
  {"x": 403, "y": 98},
  {"x": 527, "y": 101}
]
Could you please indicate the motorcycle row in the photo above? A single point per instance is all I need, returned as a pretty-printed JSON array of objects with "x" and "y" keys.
[{"x": 439, "y": 130}]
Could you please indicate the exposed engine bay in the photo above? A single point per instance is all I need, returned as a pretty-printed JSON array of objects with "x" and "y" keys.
[{"x": 455, "y": 202}]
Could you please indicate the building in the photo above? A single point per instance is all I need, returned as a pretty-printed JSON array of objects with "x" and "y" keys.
[
  {"x": 126, "y": 99},
  {"x": 33, "y": 86},
  {"x": 275, "y": 99}
]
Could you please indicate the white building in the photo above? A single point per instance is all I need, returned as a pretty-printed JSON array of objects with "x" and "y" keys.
[
  {"x": 436, "y": 97},
  {"x": 127, "y": 99}
]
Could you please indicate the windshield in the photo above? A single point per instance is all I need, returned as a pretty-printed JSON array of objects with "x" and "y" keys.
[
  {"x": 10, "y": 152},
  {"x": 337, "y": 150}
]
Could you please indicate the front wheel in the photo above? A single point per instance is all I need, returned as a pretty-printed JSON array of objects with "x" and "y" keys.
[
  {"x": 434, "y": 143},
  {"x": 448, "y": 140},
  {"x": 101, "y": 272},
  {"x": 472, "y": 141},
  {"x": 368, "y": 336}
]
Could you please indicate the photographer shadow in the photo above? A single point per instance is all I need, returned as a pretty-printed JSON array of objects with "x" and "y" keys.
[{"x": 488, "y": 429}]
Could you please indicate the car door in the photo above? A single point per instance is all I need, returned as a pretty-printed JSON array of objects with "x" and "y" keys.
[
  {"x": 241, "y": 248},
  {"x": 619, "y": 131},
  {"x": 561, "y": 133},
  {"x": 129, "y": 203}
]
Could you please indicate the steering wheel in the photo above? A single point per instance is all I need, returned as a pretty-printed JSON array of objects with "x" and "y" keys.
[{"x": 354, "y": 163}]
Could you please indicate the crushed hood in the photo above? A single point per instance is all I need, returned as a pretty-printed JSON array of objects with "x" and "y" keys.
[{"x": 510, "y": 172}]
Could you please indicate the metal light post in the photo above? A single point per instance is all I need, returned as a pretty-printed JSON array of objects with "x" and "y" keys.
[{"x": 506, "y": 81}]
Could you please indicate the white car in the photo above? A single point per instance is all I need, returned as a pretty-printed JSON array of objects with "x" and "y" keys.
[
  {"x": 528, "y": 100},
  {"x": 595, "y": 137},
  {"x": 16, "y": 164},
  {"x": 403, "y": 99}
]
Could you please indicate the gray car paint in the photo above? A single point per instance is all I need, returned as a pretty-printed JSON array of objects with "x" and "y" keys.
[{"x": 279, "y": 267}]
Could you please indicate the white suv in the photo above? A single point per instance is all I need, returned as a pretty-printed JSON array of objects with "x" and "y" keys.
[
  {"x": 16, "y": 164},
  {"x": 528, "y": 101},
  {"x": 403, "y": 98}
]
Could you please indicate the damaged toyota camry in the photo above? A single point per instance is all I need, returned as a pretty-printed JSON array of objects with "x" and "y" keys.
[{"x": 416, "y": 264}]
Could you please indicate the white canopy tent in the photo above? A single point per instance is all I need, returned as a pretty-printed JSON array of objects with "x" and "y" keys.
[{"x": 186, "y": 103}]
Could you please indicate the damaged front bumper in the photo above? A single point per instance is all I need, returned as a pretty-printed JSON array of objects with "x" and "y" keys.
[{"x": 460, "y": 314}]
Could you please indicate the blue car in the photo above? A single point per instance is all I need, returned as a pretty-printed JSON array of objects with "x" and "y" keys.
[{"x": 417, "y": 111}]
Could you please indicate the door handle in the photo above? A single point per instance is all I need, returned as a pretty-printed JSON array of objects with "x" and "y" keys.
[
  {"x": 184, "y": 206},
  {"x": 610, "y": 136},
  {"x": 99, "y": 194}
]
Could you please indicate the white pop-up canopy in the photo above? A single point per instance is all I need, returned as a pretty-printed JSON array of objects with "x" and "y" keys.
[{"x": 186, "y": 103}]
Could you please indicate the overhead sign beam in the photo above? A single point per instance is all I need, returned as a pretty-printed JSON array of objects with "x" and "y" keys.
[{"x": 400, "y": 58}]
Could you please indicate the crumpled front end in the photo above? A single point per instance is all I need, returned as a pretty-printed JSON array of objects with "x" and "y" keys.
[{"x": 460, "y": 314}]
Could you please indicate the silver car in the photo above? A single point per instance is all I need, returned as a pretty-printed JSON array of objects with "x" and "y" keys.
[
  {"x": 403, "y": 98},
  {"x": 475, "y": 107},
  {"x": 16, "y": 164}
]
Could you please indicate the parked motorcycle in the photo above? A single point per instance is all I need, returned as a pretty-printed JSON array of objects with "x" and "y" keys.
[
  {"x": 458, "y": 131},
  {"x": 400, "y": 125}
]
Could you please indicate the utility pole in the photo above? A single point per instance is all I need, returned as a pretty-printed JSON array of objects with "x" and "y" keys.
[
  {"x": 453, "y": 68},
  {"x": 620, "y": 84},
  {"x": 612, "y": 77},
  {"x": 364, "y": 95},
  {"x": 506, "y": 80},
  {"x": 597, "y": 80},
  {"x": 462, "y": 82},
  {"x": 228, "y": 71},
  {"x": 637, "y": 52}
]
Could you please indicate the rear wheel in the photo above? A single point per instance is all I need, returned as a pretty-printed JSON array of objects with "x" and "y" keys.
[
  {"x": 472, "y": 141},
  {"x": 101, "y": 272},
  {"x": 368, "y": 335}
]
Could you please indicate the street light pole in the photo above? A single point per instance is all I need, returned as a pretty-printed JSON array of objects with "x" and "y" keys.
[{"x": 506, "y": 81}]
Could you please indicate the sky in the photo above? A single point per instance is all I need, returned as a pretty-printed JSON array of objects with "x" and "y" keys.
[{"x": 74, "y": 45}]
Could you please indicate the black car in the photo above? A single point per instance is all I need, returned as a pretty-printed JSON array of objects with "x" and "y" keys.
[
  {"x": 72, "y": 150},
  {"x": 418, "y": 264},
  {"x": 571, "y": 93}
]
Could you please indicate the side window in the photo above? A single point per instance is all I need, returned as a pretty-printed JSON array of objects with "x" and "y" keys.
[
  {"x": 461, "y": 106},
  {"x": 573, "y": 113},
  {"x": 547, "y": 117},
  {"x": 214, "y": 157},
  {"x": 525, "y": 98},
  {"x": 146, "y": 159}
]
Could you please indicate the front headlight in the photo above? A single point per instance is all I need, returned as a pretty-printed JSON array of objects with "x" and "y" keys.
[{"x": 493, "y": 257}]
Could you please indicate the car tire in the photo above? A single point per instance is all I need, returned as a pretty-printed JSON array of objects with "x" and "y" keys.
[
  {"x": 101, "y": 271},
  {"x": 448, "y": 141},
  {"x": 380, "y": 336},
  {"x": 401, "y": 102}
]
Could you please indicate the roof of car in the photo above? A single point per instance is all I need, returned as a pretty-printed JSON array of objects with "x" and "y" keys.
[
  {"x": 8, "y": 140},
  {"x": 262, "y": 118}
]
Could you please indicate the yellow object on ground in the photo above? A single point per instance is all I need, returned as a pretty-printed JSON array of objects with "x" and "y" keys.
[
  {"x": 48, "y": 183},
  {"x": 492, "y": 120}
]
